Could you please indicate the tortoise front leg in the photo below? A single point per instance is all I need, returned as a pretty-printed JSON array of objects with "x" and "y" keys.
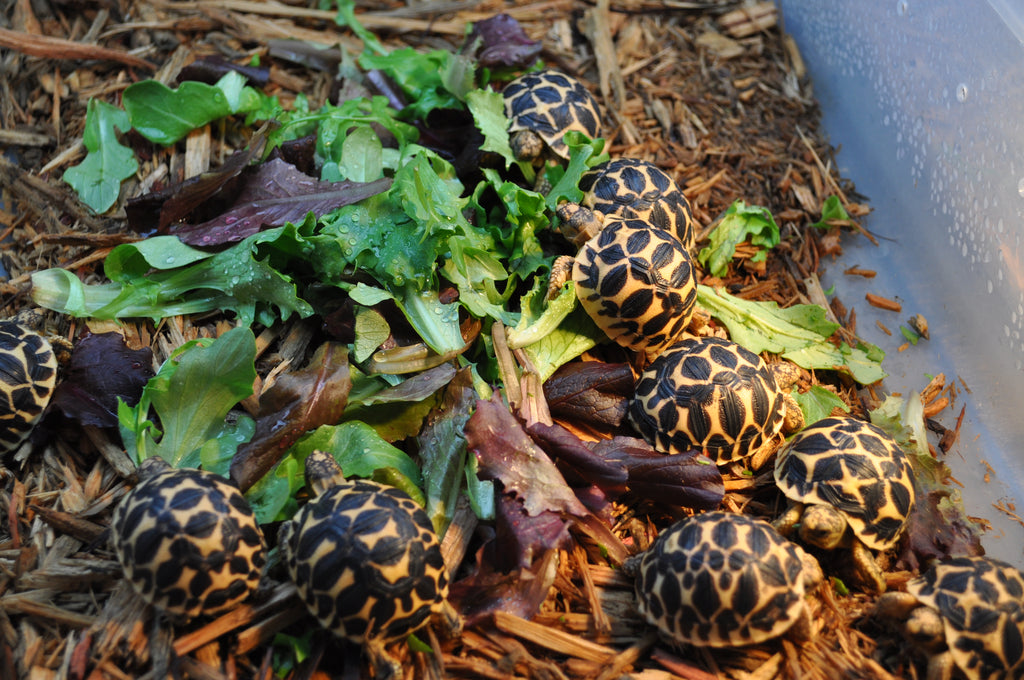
[
  {"x": 787, "y": 521},
  {"x": 867, "y": 569}
]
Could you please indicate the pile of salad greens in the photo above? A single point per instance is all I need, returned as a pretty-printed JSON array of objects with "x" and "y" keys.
[{"x": 436, "y": 249}]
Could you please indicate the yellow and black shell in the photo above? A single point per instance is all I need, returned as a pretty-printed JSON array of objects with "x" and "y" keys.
[
  {"x": 981, "y": 603},
  {"x": 632, "y": 188},
  {"x": 637, "y": 283},
  {"x": 364, "y": 556},
  {"x": 711, "y": 395},
  {"x": 541, "y": 107},
  {"x": 28, "y": 374},
  {"x": 856, "y": 467},
  {"x": 187, "y": 540},
  {"x": 721, "y": 579}
]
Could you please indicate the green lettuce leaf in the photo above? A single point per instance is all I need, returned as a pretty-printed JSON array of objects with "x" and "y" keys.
[
  {"x": 584, "y": 154},
  {"x": 831, "y": 209},
  {"x": 245, "y": 278},
  {"x": 488, "y": 109},
  {"x": 191, "y": 395},
  {"x": 799, "y": 333},
  {"x": 576, "y": 333},
  {"x": 739, "y": 223},
  {"x": 817, "y": 403},
  {"x": 358, "y": 449}
]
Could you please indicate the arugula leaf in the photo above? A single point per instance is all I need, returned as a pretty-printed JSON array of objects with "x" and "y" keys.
[
  {"x": 346, "y": 16},
  {"x": 164, "y": 116},
  {"x": 192, "y": 394},
  {"x": 799, "y": 333},
  {"x": 97, "y": 179},
  {"x": 739, "y": 223}
]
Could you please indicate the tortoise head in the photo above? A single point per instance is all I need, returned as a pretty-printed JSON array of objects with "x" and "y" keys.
[
  {"x": 322, "y": 472},
  {"x": 151, "y": 467}
]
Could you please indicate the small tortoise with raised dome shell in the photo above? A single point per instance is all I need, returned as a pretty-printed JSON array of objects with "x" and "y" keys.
[
  {"x": 541, "y": 107},
  {"x": 966, "y": 613},
  {"x": 635, "y": 281},
  {"x": 628, "y": 188},
  {"x": 187, "y": 540},
  {"x": 28, "y": 375},
  {"x": 849, "y": 484},
  {"x": 720, "y": 579},
  {"x": 715, "y": 396},
  {"x": 366, "y": 561}
]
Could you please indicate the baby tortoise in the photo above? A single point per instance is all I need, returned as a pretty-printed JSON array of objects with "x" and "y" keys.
[
  {"x": 849, "y": 484},
  {"x": 366, "y": 561},
  {"x": 720, "y": 579},
  {"x": 628, "y": 188},
  {"x": 28, "y": 375},
  {"x": 187, "y": 540},
  {"x": 715, "y": 396},
  {"x": 636, "y": 282},
  {"x": 966, "y": 613},
  {"x": 541, "y": 107}
]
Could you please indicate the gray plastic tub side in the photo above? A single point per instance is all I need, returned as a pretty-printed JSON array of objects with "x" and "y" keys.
[{"x": 925, "y": 100}]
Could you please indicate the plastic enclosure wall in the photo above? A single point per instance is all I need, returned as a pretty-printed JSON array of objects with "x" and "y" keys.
[{"x": 925, "y": 101}]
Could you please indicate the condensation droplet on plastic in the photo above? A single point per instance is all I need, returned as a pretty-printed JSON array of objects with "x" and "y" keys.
[
  {"x": 902, "y": 7},
  {"x": 962, "y": 92},
  {"x": 1020, "y": 186}
]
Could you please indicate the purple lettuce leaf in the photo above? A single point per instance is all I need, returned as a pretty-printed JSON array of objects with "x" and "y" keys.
[
  {"x": 102, "y": 368},
  {"x": 590, "y": 391},
  {"x": 506, "y": 453},
  {"x": 688, "y": 479},
  {"x": 500, "y": 41},
  {"x": 276, "y": 193}
]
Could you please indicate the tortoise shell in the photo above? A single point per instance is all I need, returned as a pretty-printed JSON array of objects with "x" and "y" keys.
[
  {"x": 28, "y": 374},
  {"x": 637, "y": 283},
  {"x": 981, "y": 603},
  {"x": 632, "y": 188},
  {"x": 708, "y": 394},
  {"x": 548, "y": 104},
  {"x": 366, "y": 561},
  {"x": 187, "y": 540},
  {"x": 720, "y": 579},
  {"x": 856, "y": 467}
]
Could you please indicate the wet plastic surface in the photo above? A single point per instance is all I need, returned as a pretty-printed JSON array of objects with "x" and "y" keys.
[{"x": 926, "y": 102}]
